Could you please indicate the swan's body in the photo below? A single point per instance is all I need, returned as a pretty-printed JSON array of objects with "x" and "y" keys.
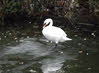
[{"x": 52, "y": 33}]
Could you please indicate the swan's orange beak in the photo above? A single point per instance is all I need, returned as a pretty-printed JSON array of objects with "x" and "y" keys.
[{"x": 44, "y": 26}]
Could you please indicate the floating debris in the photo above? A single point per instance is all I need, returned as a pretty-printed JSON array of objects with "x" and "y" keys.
[
  {"x": 61, "y": 52},
  {"x": 87, "y": 53},
  {"x": 29, "y": 22},
  {"x": 8, "y": 43},
  {"x": 93, "y": 34},
  {"x": 69, "y": 66},
  {"x": 8, "y": 70},
  {"x": 21, "y": 40},
  {"x": 2, "y": 33},
  {"x": 81, "y": 52},
  {"x": 79, "y": 44},
  {"x": 28, "y": 37},
  {"x": 89, "y": 68},
  {"x": 15, "y": 38},
  {"x": 10, "y": 33},
  {"x": 85, "y": 39},
  {"x": 75, "y": 35},
  {"x": 5, "y": 36},
  {"x": 32, "y": 71},
  {"x": 21, "y": 63},
  {"x": 17, "y": 41}
]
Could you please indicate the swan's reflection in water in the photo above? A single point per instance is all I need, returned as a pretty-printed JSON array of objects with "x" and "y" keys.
[{"x": 51, "y": 59}]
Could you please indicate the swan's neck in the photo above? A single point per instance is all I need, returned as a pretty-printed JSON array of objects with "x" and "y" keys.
[{"x": 51, "y": 23}]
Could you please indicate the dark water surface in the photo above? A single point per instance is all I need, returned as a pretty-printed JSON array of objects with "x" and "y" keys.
[{"x": 27, "y": 51}]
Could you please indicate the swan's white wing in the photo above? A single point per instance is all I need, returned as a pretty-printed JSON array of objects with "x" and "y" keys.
[{"x": 56, "y": 31}]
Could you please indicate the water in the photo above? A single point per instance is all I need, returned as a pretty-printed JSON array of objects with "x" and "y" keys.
[{"x": 27, "y": 51}]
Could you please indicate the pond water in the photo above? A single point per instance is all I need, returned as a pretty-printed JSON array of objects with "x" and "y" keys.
[{"x": 27, "y": 51}]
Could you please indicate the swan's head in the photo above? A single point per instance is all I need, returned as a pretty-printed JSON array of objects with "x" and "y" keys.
[{"x": 48, "y": 22}]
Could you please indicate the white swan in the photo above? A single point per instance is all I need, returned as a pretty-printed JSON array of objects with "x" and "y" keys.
[{"x": 52, "y": 33}]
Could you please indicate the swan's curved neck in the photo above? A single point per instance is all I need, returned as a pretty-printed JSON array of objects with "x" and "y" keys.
[{"x": 51, "y": 22}]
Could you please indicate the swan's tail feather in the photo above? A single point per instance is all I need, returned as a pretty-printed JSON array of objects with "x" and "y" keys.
[{"x": 67, "y": 39}]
